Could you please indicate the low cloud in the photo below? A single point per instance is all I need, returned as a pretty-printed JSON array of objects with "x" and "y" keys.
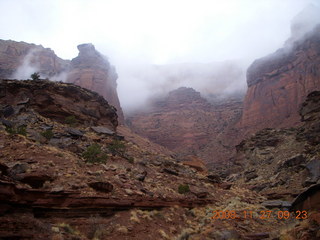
[
  {"x": 145, "y": 40},
  {"x": 41, "y": 60},
  {"x": 30, "y": 64}
]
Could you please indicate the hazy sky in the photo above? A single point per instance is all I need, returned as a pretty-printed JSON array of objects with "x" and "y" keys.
[
  {"x": 156, "y": 32},
  {"x": 153, "y": 31}
]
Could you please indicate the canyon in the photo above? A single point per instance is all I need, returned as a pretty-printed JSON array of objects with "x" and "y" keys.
[
  {"x": 191, "y": 124},
  {"x": 74, "y": 166}
]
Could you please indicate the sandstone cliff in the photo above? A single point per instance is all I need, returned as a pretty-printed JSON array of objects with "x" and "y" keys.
[
  {"x": 91, "y": 70},
  {"x": 189, "y": 125},
  {"x": 280, "y": 82},
  {"x": 20, "y": 59}
]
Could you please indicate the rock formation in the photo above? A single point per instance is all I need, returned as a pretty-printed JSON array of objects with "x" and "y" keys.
[
  {"x": 75, "y": 180},
  {"x": 56, "y": 101},
  {"x": 20, "y": 59},
  {"x": 90, "y": 69},
  {"x": 93, "y": 71},
  {"x": 279, "y": 83},
  {"x": 280, "y": 163},
  {"x": 188, "y": 124}
]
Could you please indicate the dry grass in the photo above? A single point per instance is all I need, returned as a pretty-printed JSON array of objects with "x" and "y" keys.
[{"x": 134, "y": 216}]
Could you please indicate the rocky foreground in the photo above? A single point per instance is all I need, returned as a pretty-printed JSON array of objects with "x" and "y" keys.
[{"x": 66, "y": 173}]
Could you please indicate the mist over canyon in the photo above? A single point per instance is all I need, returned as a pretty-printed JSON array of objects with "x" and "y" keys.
[{"x": 176, "y": 120}]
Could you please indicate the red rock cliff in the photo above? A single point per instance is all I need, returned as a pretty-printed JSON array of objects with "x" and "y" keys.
[
  {"x": 20, "y": 59},
  {"x": 91, "y": 70},
  {"x": 280, "y": 82},
  {"x": 189, "y": 125}
]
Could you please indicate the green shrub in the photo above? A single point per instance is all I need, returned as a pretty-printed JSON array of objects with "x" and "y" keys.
[
  {"x": 22, "y": 130},
  {"x": 71, "y": 120},
  {"x": 48, "y": 134},
  {"x": 10, "y": 130},
  {"x": 117, "y": 147},
  {"x": 35, "y": 76},
  {"x": 94, "y": 154},
  {"x": 130, "y": 159},
  {"x": 183, "y": 188}
]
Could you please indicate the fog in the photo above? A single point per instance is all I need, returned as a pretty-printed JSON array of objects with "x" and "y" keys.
[{"x": 157, "y": 46}]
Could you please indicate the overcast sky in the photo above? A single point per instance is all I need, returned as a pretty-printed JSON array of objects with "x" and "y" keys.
[{"x": 155, "y": 32}]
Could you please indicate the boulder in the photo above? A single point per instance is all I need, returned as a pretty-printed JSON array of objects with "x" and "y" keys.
[
  {"x": 308, "y": 200},
  {"x": 7, "y": 123},
  {"x": 105, "y": 187},
  {"x": 294, "y": 161},
  {"x": 170, "y": 171},
  {"x": 276, "y": 204},
  {"x": 251, "y": 175},
  {"x": 6, "y": 111},
  {"x": 74, "y": 132},
  {"x": 225, "y": 235},
  {"x": 18, "y": 168},
  {"x": 202, "y": 194},
  {"x": 141, "y": 176},
  {"x": 214, "y": 178},
  {"x": 102, "y": 129},
  {"x": 314, "y": 170},
  {"x": 34, "y": 179}
]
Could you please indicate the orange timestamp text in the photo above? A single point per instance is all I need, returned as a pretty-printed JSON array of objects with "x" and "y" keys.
[{"x": 265, "y": 214}]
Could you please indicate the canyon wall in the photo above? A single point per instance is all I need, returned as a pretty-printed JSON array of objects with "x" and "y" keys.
[
  {"x": 93, "y": 71},
  {"x": 189, "y": 125},
  {"x": 20, "y": 59},
  {"x": 280, "y": 82}
]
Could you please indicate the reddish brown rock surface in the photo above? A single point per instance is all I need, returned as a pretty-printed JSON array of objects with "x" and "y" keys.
[
  {"x": 57, "y": 101},
  {"x": 93, "y": 71},
  {"x": 283, "y": 162},
  {"x": 31, "y": 57},
  {"x": 280, "y": 82},
  {"x": 133, "y": 194},
  {"x": 90, "y": 69},
  {"x": 188, "y": 124}
]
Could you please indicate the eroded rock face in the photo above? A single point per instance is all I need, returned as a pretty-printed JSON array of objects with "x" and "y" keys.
[
  {"x": 283, "y": 161},
  {"x": 93, "y": 71},
  {"x": 279, "y": 83},
  {"x": 58, "y": 101},
  {"x": 189, "y": 125},
  {"x": 20, "y": 59}
]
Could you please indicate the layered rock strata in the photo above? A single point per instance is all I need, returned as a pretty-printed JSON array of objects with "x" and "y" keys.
[
  {"x": 189, "y": 125},
  {"x": 93, "y": 71},
  {"x": 279, "y": 83},
  {"x": 58, "y": 101}
]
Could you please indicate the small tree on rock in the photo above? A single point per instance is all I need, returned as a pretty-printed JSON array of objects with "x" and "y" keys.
[{"x": 35, "y": 76}]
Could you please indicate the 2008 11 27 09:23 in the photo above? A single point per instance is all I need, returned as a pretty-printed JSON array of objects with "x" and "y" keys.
[{"x": 265, "y": 214}]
